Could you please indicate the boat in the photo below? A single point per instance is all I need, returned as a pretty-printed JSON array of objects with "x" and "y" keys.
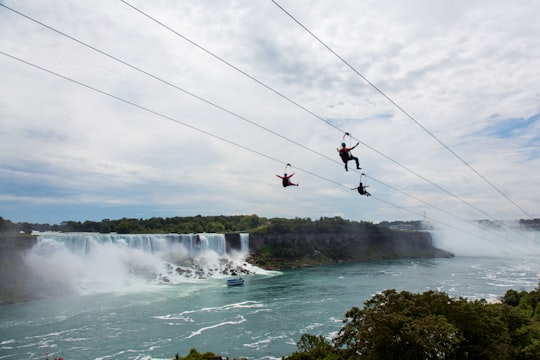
[{"x": 235, "y": 282}]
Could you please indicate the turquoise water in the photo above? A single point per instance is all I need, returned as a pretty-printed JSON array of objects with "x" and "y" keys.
[{"x": 261, "y": 320}]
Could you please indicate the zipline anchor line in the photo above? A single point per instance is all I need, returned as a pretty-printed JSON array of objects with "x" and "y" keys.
[
  {"x": 186, "y": 92},
  {"x": 165, "y": 117},
  {"x": 401, "y": 109},
  {"x": 183, "y": 123},
  {"x": 219, "y": 107},
  {"x": 297, "y": 104}
]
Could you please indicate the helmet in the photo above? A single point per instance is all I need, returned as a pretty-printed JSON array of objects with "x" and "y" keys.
[{"x": 343, "y": 144}]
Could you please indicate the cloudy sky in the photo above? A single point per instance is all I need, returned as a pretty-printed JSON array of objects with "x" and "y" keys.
[{"x": 112, "y": 109}]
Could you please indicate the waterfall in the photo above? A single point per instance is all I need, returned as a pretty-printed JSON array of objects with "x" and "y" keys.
[
  {"x": 93, "y": 262},
  {"x": 244, "y": 243},
  {"x": 215, "y": 242},
  {"x": 84, "y": 243}
]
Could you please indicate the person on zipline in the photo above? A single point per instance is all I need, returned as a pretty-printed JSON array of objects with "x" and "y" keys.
[
  {"x": 345, "y": 155},
  {"x": 286, "y": 180},
  {"x": 362, "y": 189}
]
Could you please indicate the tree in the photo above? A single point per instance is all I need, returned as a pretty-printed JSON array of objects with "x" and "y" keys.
[
  {"x": 313, "y": 347},
  {"x": 195, "y": 355},
  {"x": 434, "y": 326},
  {"x": 3, "y": 225},
  {"x": 26, "y": 228},
  {"x": 280, "y": 226},
  {"x": 396, "y": 325}
]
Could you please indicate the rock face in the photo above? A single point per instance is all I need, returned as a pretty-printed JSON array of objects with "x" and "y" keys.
[
  {"x": 13, "y": 272},
  {"x": 232, "y": 242},
  {"x": 281, "y": 251}
]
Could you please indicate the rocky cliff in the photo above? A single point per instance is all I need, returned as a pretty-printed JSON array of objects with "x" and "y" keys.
[
  {"x": 281, "y": 251},
  {"x": 13, "y": 271}
]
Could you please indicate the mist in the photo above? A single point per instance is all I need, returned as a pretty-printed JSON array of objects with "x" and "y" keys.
[
  {"x": 95, "y": 263},
  {"x": 487, "y": 239}
]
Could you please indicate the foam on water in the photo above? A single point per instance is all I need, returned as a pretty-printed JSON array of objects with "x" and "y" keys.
[{"x": 262, "y": 320}]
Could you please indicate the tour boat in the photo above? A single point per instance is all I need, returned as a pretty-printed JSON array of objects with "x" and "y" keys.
[{"x": 235, "y": 282}]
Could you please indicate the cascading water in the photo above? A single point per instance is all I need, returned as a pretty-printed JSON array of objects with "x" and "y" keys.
[
  {"x": 92, "y": 262},
  {"x": 244, "y": 243}
]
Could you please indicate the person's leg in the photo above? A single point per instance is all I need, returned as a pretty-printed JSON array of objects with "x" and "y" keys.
[{"x": 357, "y": 162}]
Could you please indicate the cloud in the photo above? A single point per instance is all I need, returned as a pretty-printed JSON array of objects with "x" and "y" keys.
[{"x": 466, "y": 71}]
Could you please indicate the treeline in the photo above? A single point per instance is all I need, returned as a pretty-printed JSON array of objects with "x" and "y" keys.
[
  {"x": 532, "y": 224},
  {"x": 181, "y": 225},
  {"x": 201, "y": 224},
  {"x": 524, "y": 224},
  {"x": 226, "y": 224},
  {"x": 431, "y": 325},
  {"x": 6, "y": 226}
]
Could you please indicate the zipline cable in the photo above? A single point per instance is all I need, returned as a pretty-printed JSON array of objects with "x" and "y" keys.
[
  {"x": 305, "y": 109},
  {"x": 208, "y": 102},
  {"x": 401, "y": 109},
  {"x": 226, "y": 110},
  {"x": 429, "y": 181},
  {"x": 431, "y": 205},
  {"x": 445, "y": 224},
  {"x": 164, "y": 116},
  {"x": 190, "y": 93},
  {"x": 230, "y": 64},
  {"x": 199, "y": 130}
]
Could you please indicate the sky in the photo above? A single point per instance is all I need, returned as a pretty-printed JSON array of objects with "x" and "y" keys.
[{"x": 140, "y": 109}]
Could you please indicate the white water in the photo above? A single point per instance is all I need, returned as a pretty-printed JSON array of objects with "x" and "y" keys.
[
  {"x": 262, "y": 320},
  {"x": 129, "y": 312},
  {"x": 86, "y": 263},
  {"x": 97, "y": 263}
]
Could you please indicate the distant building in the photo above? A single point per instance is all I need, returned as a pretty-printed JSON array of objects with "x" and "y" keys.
[{"x": 406, "y": 227}]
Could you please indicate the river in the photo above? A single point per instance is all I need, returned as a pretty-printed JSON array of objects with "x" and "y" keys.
[{"x": 261, "y": 320}]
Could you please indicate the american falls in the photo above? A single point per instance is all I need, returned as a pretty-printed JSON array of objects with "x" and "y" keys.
[{"x": 91, "y": 262}]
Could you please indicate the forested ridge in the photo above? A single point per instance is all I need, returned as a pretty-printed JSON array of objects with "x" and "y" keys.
[
  {"x": 201, "y": 224},
  {"x": 225, "y": 224}
]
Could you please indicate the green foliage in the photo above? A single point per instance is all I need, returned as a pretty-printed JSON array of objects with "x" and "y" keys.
[
  {"x": 399, "y": 325},
  {"x": 431, "y": 325},
  {"x": 156, "y": 225},
  {"x": 313, "y": 347},
  {"x": 526, "y": 302},
  {"x": 325, "y": 225},
  {"x": 200, "y": 224},
  {"x": 245, "y": 223},
  {"x": 530, "y": 224},
  {"x": 8, "y": 226},
  {"x": 26, "y": 228},
  {"x": 280, "y": 226},
  {"x": 195, "y": 355}
]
